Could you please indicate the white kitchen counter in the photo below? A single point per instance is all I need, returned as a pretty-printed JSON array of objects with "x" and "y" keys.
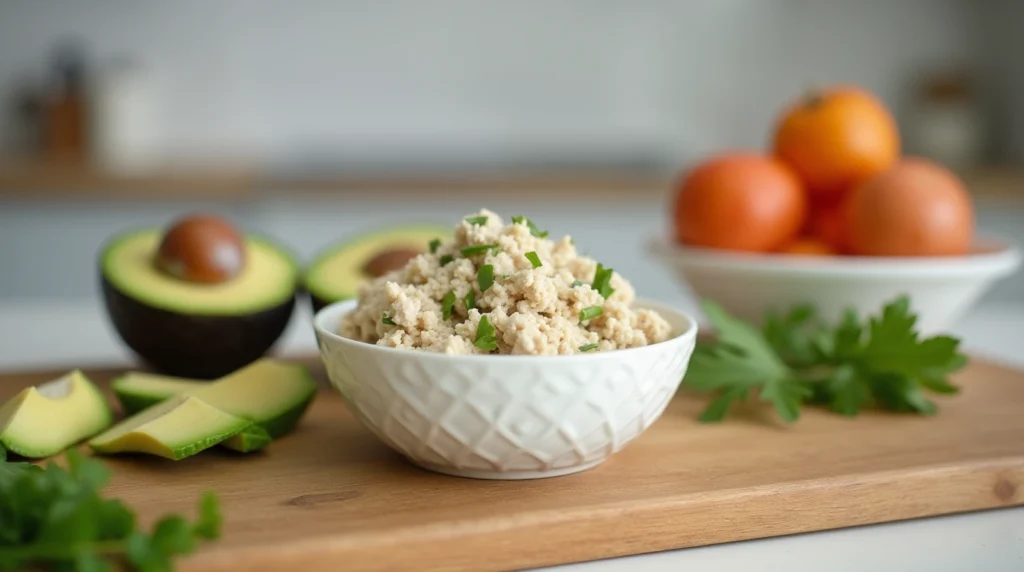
[{"x": 48, "y": 334}]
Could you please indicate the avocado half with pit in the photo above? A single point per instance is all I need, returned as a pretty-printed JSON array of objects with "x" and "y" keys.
[
  {"x": 338, "y": 271},
  {"x": 194, "y": 329}
]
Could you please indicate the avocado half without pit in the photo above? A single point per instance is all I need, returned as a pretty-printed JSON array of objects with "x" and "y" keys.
[
  {"x": 337, "y": 273},
  {"x": 199, "y": 299}
]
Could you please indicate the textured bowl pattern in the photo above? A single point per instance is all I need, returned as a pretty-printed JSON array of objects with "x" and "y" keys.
[{"x": 506, "y": 417}]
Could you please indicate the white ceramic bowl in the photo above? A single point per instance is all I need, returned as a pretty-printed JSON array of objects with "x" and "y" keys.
[
  {"x": 941, "y": 290},
  {"x": 501, "y": 416}
]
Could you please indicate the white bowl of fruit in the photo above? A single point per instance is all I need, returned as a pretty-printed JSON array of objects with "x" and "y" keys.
[{"x": 832, "y": 216}]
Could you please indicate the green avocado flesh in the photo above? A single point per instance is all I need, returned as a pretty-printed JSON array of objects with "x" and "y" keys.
[
  {"x": 44, "y": 420},
  {"x": 174, "y": 429},
  {"x": 337, "y": 273},
  {"x": 272, "y": 393},
  {"x": 252, "y": 438},
  {"x": 269, "y": 279}
]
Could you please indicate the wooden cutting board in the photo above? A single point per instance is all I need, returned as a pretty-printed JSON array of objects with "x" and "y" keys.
[{"x": 330, "y": 497}]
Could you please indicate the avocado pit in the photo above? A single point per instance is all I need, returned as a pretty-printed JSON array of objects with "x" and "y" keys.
[
  {"x": 202, "y": 248},
  {"x": 389, "y": 260}
]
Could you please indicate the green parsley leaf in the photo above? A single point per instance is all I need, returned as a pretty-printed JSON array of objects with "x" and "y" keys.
[
  {"x": 210, "y": 520},
  {"x": 485, "y": 338},
  {"x": 434, "y": 245},
  {"x": 477, "y": 249},
  {"x": 588, "y": 347},
  {"x": 602, "y": 281},
  {"x": 590, "y": 312},
  {"x": 469, "y": 300},
  {"x": 447, "y": 303},
  {"x": 529, "y": 224},
  {"x": 797, "y": 358},
  {"x": 533, "y": 258},
  {"x": 57, "y": 519},
  {"x": 485, "y": 277},
  {"x": 477, "y": 220},
  {"x": 445, "y": 259},
  {"x": 386, "y": 320}
]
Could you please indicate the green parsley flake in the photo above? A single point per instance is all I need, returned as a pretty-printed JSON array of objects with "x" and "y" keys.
[
  {"x": 529, "y": 224},
  {"x": 485, "y": 277},
  {"x": 590, "y": 312},
  {"x": 477, "y": 220},
  {"x": 477, "y": 249},
  {"x": 533, "y": 258},
  {"x": 386, "y": 320},
  {"x": 602, "y": 281},
  {"x": 469, "y": 300},
  {"x": 444, "y": 260},
  {"x": 485, "y": 338},
  {"x": 434, "y": 245},
  {"x": 588, "y": 347},
  {"x": 576, "y": 283},
  {"x": 447, "y": 303}
]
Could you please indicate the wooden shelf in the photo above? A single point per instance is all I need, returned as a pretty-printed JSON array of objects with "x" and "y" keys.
[
  {"x": 53, "y": 181},
  {"x": 45, "y": 181}
]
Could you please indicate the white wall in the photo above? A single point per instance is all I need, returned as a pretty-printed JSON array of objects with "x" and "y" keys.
[{"x": 397, "y": 78}]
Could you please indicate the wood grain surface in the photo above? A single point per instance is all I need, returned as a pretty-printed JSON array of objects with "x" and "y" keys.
[{"x": 330, "y": 497}]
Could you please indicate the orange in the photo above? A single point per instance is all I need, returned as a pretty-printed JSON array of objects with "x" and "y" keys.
[
  {"x": 826, "y": 225},
  {"x": 835, "y": 138},
  {"x": 739, "y": 201},
  {"x": 809, "y": 246},
  {"x": 916, "y": 208}
]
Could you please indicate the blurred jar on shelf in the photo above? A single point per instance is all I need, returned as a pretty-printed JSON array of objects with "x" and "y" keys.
[
  {"x": 946, "y": 122},
  {"x": 125, "y": 116}
]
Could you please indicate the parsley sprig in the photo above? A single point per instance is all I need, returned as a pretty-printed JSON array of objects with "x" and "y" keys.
[
  {"x": 796, "y": 358},
  {"x": 603, "y": 281},
  {"x": 485, "y": 337},
  {"x": 529, "y": 224},
  {"x": 56, "y": 518}
]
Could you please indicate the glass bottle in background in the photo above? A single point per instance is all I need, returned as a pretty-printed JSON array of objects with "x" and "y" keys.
[{"x": 65, "y": 108}]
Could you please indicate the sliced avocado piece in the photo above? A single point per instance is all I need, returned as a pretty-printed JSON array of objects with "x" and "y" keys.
[
  {"x": 252, "y": 438},
  {"x": 196, "y": 330},
  {"x": 44, "y": 420},
  {"x": 338, "y": 271},
  {"x": 177, "y": 428},
  {"x": 273, "y": 393},
  {"x": 137, "y": 390}
]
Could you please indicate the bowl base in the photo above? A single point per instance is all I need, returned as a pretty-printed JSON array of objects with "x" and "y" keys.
[{"x": 505, "y": 475}]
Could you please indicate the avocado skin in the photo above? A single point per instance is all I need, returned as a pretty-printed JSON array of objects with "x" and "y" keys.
[{"x": 199, "y": 347}]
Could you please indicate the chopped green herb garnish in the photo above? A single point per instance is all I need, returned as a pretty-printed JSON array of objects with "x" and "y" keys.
[
  {"x": 469, "y": 300},
  {"x": 590, "y": 312},
  {"x": 477, "y": 249},
  {"x": 533, "y": 228},
  {"x": 533, "y": 258},
  {"x": 505, "y": 276},
  {"x": 434, "y": 245},
  {"x": 56, "y": 518},
  {"x": 485, "y": 338},
  {"x": 588, "y": 347},
  {"x": 444, "y": 260},
  {"x": 576, "y": 283},
  {"x": 386, "y": 320},
  {"x": 485, "y": 277},
  {"x": 603, "y": 280},
  {"x": 478, "y": 220},
  {"x": 447, "y": 303}
]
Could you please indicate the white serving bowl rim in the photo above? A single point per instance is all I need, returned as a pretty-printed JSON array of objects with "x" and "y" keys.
[
  {"x": 988, "y": 256},
  {"x": 326, "y": 321}
]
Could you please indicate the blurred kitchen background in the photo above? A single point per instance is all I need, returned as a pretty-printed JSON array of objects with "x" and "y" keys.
[{"x": 314, "y": 120}]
